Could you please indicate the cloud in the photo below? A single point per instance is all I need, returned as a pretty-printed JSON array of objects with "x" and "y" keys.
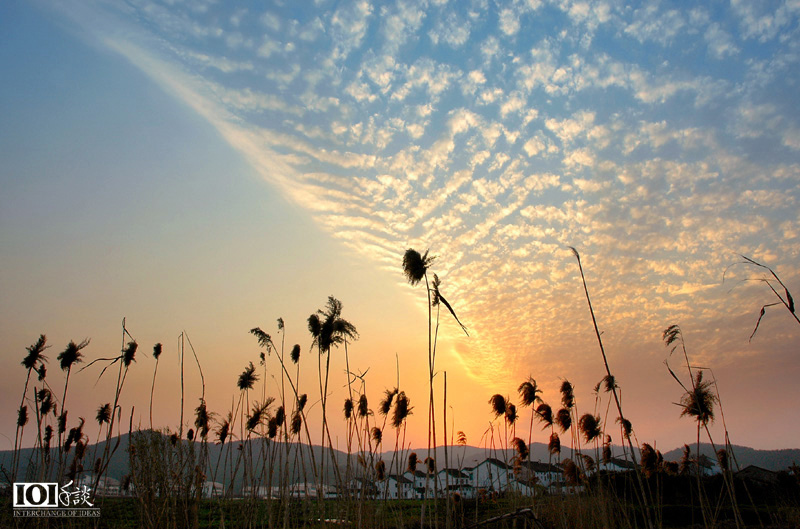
[
  {"x": 348, "y": 25},
  {"x": 450, "y": 31},
  {"x": 503, "y": 152},
  {"x": 650, "y": 23},
  {"x": 400, "y": 24},
  {"x": 720, "y": 43},
  {"x": 509, "y": 22}
]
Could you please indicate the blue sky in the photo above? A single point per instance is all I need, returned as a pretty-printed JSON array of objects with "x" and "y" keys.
[{"x": 212, "y": 166}]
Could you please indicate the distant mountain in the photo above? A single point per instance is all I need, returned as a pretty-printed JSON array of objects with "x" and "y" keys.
[
  {"x": 769, "y": 459},
  {"x": 299, "y": 457}
]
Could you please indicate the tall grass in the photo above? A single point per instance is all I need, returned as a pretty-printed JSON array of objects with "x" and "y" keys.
[{"x": 263, "y": 433}]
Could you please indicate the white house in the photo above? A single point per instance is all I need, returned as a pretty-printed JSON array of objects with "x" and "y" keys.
[
  {"x": 454, "y": 480},
  {"x": 543, "y": 474},
  {"x": 491, "y": 475},
  {"x": 107, "y": 486},
  {"x": 213, "y": 489},
  {"x": 422, "y": 482},
  {"x": 396, "y": 487}
]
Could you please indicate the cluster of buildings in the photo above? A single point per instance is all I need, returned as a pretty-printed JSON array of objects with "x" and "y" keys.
[{"x": 487, "y": 477}]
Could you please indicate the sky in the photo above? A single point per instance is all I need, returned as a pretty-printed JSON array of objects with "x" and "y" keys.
[{"x": 206, "y": 167}]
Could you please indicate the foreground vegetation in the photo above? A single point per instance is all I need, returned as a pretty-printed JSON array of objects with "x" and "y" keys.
[{"x": 265, "y": 443}]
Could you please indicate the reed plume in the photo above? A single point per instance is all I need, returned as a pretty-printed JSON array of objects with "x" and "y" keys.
[
  {"x": 544, "y": 413},
  {"x": 564, "y": 419},
  {"x": 589, "y": 426},
  {"x": 498, "y": 404},
  {"x": 402, "y": 409}
]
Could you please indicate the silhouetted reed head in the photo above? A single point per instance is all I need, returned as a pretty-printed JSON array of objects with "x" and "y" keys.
[
  {"x": 46, "y": 403},
  {"x": 415, "y": 265},
  {"x": 247, "y": 378},
  {"x": 386, "y": 403},
  {"x": 377, "y": 435},
  {"x": 430, "y": 464},
  {"x": 272, "y": 428},
  {"x": 567, "y": 395},
  {"x": 607, "y": 450},
  {"x": 363, "y": 406},
  {"x": 511, "y": 413},
  {"x": 103, "y": 414},
  {"x": 72, "y": 354},
  {"x": 202, "y": 418},
  {"x": 722, "y": 459},
  {"x": 402, "y": 409},
  {"x": 129, "y": 353},
  {"x": 554, "y": 445},
  {"x": 698, "y": 402},
  {"x": 498, "y": 404},
  {"x": 22, "y": 416},
  {"x": 35, "y": 353},
  {"x": 412, "y": 462},
  {"x": 564, "y": 419},
  {"x": 521, "y": 448},
  {"x": 571, "y": 472},
  {"x": 544, "y": 413},
  {"x": 589, "y": 426},
  {"x": 222, "y": 431},
  {"x": 529, "y": 392},
  {"x": 297, "y": 422},
  {"x": 649, "y": 461},
  {"x": 295, "y": 354}
]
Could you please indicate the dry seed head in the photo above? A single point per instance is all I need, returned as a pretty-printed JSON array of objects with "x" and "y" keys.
[
  {"x": 129, "y": 353},
  {"x": 103, "y": 414},
  {"x": 521, "y": 448},
  {"x": 297, "y": 422},
  {"x": 412, "y": 462},
  {"x": 649, "y": 460},
  {"x": 554, "y": 445},
  {"x": 377, "y": 435},
  {"x": 402, "y": 409},
  {"x": 544, "y": 413},
  {"x": 247, "y": 378},
  {"x": 72, "y": 354},
  {"x": 529, "y": 392},
  {"x": 386, "y": 403},
  {"x": 272, "y": 428},
  {"x": 202, "y": 418},
  {"x": 22, "y": 416},
  {"x": 222, "y": 432},
  {"x": 567, "y": 394},
  {"x": 511, "y": 413},
  {"x": 498, "y": 404},
  {"x": 35, "y": 353},
  {"x": 415, "y": 266},
  {"x": 363, "y": 406},
  {"x": 590, "y": 427},
  {"x": 563, "y": 419},
  {"x": 430, "y": 464}
]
